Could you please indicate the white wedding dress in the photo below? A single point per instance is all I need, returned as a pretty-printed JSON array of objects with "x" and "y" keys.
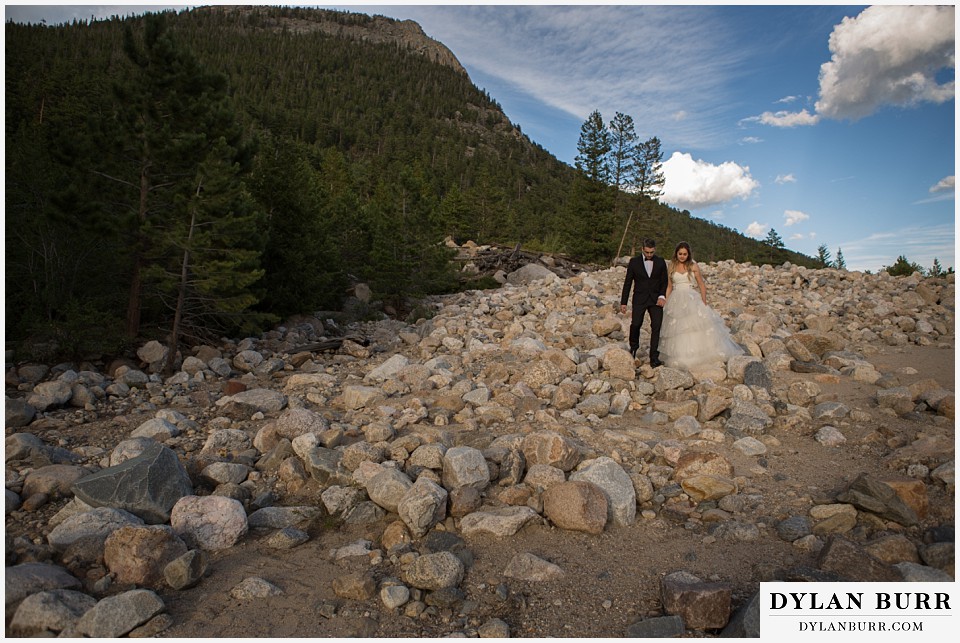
[{"x": 693, "y": 334}]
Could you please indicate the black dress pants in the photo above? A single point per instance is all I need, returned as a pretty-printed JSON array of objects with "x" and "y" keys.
[{"x": 636, "y": 321}]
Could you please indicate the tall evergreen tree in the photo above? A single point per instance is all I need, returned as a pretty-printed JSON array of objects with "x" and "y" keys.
[
  {"x": 840, "y": 263},
  {"x": 307, "y": 213},
  {"x": 593, "y": 149},
  {"x": 936, "y": 270},
  {"x": 489, "y": 210},
  {"x": 205, "y": 258},
  {"x": 591, "y": 207},
  {"x": 823, "y": 256},
  {"x": 408, "y": 258},
  {"x": 623, "y": 144},
  {"x": 456, "y": 214},
  {"x": 647, "y": 182},
  {"x": 774, "y": 240},
  {"x": 173, "y": 125}
]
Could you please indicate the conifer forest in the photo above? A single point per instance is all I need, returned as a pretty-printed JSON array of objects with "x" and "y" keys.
[{"x": 212, "y": 172}]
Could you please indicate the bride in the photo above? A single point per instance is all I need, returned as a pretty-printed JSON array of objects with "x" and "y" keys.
[{"x": 693, "y": 334}]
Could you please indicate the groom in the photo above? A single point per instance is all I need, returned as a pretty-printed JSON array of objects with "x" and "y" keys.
[{"x": 649, "y": 278}]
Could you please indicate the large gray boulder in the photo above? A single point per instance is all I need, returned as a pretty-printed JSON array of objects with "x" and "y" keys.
[
  {"x": 54, "y": 610},
  {"x": 117, "y": 615},
  {"x": 17, "y": 412},
  {"x": 529, "y": 273},
  {"x": 147, "y": 486},
  {"x": 25, "y": 579},
  {"x": 616, "y": 485},
  {"x": 97, "y": 523}
]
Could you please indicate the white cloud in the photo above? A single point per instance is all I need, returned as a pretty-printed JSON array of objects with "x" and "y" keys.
[
  {"x": 944, "y": 184},
  {"x": 794, "y": 216},
  {"x": 679, "y": 116},
  {"x": 698, "y": 184},
  {"x": 887, "y": 55},
  {"x": 788, "y": 119},
  {"x": 787, "y": 99},
  {"x": 944, "y": 190},
  {"x": 757, "y": 230},
  {"x": 750, "y": 140},
  {"x": 785, "y": 178}
]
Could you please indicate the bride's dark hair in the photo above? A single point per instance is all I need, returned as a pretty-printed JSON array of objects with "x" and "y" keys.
[
  {"x": 674, "y": 262},
  {"x": 683, "y": 244}
]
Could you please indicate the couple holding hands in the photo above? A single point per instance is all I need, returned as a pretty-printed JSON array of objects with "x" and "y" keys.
[{"x": 684, "y": 332}]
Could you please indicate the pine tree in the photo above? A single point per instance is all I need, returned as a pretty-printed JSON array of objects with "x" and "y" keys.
[
  {"x": 623, "y": 144},
  {"x": 308, "y": 213},
  {"x": 839, "y": 263},
  {"x": 647, "y": 181},
  {"x": 623, "y": 137},
  {"x": 208, "y": 254},
  {"x": 174, "y": 139},
  {"x": 903, "y": 267},
  {"x": 823, "y": 256},
  {"x": 456, "y": 214},
  {"x": 408, "y": 258},
  {"x": 591, "y": 213},
  {"x": 773, "y": 239},
  {"x": 936, "y": 270},
  {"x": 593, "y": 149}
]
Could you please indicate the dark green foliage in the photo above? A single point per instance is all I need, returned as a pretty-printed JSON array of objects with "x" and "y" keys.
[
  {"x": 646, "y": 175},
  {"x": 407, "y": 260},
  {"x": 823, "y": 257},
  {"x": 774, "y": 240},
  {"x": 839, "y": 263},
  {"x": 903, "y": 267},
  {"x": 593, "y": 149},
  {"x": 647, "y": 181},
  {"x": 82, "y": 330},
  {"x": 370, "y": 155},
  {"x": 208, "y": 253},
  {"x": 310, "y": 227},
  {"x": 936, "y": 270},
  {"x": 623, "y": 145},
  {"x": 170, "y": 153},
  {"x": 591, "y": 211}
]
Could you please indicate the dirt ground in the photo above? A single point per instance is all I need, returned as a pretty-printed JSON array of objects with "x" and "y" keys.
[{"x": 611, "y": 580}]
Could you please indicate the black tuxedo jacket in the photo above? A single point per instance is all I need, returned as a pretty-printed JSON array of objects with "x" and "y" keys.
[{"x": 646, "y": 289}]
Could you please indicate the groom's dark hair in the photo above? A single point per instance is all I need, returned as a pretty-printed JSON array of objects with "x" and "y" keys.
[{"x": 649, "y": 243}]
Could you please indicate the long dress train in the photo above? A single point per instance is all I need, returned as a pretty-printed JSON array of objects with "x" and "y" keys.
[{"x": 693, "y": 334}]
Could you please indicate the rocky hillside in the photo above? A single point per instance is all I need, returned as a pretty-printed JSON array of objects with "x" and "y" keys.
[
  {"x": 406, "y": 34},
  {"x": 502, "y": 468}
]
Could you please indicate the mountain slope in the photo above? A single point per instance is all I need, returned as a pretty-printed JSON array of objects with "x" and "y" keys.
[{"x": 369, "y": 144}]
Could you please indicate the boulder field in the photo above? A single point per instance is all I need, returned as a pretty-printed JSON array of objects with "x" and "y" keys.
[{"x": 443, "y": 475}]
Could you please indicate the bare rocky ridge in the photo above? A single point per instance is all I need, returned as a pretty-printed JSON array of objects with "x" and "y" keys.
[
  {"x": 503, "y": 468},
  {"x": 377, "y": 30}
]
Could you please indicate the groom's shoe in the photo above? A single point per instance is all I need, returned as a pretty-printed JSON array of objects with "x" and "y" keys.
[{"x": 655, "y": 363}]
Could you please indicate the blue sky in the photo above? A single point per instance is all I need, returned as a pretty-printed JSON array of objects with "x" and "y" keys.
[{"x": 832, "y": 124}]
